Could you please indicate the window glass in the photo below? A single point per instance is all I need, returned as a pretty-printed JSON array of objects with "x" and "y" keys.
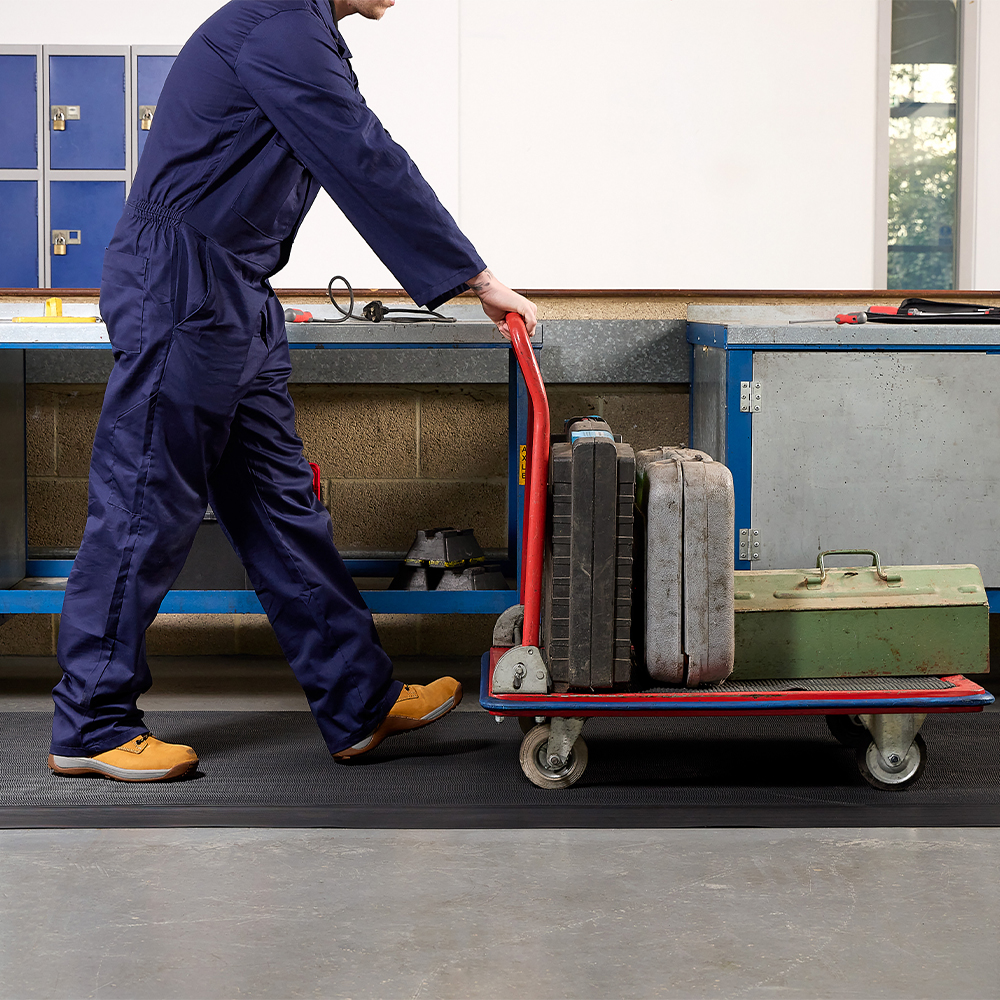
[{"x": 923, "y": 146}]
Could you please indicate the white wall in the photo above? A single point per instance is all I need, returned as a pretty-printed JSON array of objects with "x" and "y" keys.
[
  {"x": 684, "y": 144},
  {"x": 102, "y": 22},
  {"x": 408, "y": 65},
  {"x": 656, "y": 143}
]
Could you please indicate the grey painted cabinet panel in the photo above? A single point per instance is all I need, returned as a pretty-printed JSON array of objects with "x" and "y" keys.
[
  {"x": 895, "y": 451},
  {"x": 880, "y": 437}
]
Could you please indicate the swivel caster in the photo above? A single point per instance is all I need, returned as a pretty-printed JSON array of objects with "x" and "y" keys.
[
  {"x": 898, "y": 772},
  {"x": 554, "y": 770}
]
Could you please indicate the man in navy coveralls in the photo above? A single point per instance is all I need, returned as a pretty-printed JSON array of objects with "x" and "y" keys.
[{"x": 260, "y": 110}]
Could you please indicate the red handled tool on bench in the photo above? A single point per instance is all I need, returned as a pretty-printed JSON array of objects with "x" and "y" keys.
[
  {"x": 919, "y": 311},
  {"x": 854, "y": 318}
]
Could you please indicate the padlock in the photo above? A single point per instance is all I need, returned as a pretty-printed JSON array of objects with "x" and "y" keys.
[
  {"x": 62, "y": 238},
  {"x": 62, "y": 113},
  {"x": 146, "y": 113}
]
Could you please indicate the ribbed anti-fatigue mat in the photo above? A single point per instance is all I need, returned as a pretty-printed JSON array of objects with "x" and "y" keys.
[{"x": 272, "y": 769}]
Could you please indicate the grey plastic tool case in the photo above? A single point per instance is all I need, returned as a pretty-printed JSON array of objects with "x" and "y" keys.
[
  {"x": 686, "y": 503},
  {"x": 587, "y": 576}
]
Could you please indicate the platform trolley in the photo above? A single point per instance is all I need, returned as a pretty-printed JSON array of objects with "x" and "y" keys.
[{"x": 879, "y": 718}]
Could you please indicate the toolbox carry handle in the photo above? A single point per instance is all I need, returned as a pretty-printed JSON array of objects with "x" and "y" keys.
[
  {"x": 536, "y": 480},
  {"x": 879, "y": 572}
]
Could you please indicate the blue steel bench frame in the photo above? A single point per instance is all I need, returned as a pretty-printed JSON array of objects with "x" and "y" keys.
[{"x": 41, "y": 590}]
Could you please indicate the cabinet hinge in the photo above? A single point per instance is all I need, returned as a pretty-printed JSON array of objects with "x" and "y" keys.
[
  {"x": 750, "y": 393},
  {"x": 749, "y": 544}
]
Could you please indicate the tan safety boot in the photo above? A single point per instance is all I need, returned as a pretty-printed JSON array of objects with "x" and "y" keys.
[
  {"x": 417, "y": 705},
  {"x": 143, "y": 758}
]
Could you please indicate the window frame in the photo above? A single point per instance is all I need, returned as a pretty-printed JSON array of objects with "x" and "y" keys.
[{"x": 968, "y": 92}]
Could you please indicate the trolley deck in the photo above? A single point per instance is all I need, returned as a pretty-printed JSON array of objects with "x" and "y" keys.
[{"x": 848, "y": 696}]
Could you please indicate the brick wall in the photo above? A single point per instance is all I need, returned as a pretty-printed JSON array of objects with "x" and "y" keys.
[{"x": 394, "y": 459}]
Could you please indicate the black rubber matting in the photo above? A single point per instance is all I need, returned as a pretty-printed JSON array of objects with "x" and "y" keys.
[{"x": 271, "y": 769}]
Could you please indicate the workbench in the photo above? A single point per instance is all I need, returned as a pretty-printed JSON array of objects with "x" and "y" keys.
[{"x": 36, "y": 586}]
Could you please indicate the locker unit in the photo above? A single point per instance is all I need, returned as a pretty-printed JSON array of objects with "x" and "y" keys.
[
  {"x": 21, "y": 169},
  {"x": 87, "y": 211},
  {"x": 72, "y": 122},
  {"x": 87, "y": 111},
  {"x": 150, "y": 66},
  {"x": 18, "y": 233},
  {"x": 88, "y": 159},
  {"x": 19, "y": 111}
]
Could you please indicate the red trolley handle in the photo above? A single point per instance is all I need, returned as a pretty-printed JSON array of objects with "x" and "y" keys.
[{"x": 536, "y": 480}]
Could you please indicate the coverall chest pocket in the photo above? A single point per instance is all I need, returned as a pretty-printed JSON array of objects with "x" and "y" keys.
[
  {"x": 124, "y": 287},
  {"x": 273, "y": 199}
]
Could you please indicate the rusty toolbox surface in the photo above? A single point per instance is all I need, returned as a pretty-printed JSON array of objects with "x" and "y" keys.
[{"x": 854, "y": 622}]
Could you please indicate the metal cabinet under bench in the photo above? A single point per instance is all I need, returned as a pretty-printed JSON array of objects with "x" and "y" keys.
[{"x": 878, "y": 437}]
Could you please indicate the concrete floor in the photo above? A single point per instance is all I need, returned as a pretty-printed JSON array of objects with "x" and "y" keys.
[
  {"x": 471, "y": 913},
  {"x": 713, "y": 913}
]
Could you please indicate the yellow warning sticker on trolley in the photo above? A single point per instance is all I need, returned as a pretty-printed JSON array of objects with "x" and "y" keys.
[{"x": 522, "y": 465}]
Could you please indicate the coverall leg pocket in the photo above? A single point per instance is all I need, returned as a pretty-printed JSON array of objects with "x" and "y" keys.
[
  {"x": 124, "y": 280},
  {"x": 131, "y": 440}
]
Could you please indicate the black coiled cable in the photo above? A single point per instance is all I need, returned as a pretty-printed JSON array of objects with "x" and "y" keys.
[{"x": 375, "y": 311}]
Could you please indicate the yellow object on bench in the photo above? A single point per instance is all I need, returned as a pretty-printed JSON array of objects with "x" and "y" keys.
[{"x": 53, "y": 314}]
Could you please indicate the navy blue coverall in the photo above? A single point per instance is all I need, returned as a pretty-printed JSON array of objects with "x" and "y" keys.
[{"x": 260, "y": 109}]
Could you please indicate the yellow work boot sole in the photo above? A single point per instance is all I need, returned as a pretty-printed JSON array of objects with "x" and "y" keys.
[
  {"x": 141, "y": 759},
  {"x": 397, "y": 722}
]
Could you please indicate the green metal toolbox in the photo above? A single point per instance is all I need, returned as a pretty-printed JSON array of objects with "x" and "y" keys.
[{"x": 867, "y": 621}]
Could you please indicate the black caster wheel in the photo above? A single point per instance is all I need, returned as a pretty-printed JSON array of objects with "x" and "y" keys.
[
  {"x": 527, "y": 723},
  {"x": 849, "y": 731},
  {"x": 535, "y": 764},
  {"x": 892, "y": 779}
]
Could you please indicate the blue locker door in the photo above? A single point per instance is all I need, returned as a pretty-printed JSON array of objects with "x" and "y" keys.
[
  {"x": 93, "y": 208},
  {"x": 152, "y": 72},
  {"x": 18, "y": 234},
  {"x": 96, "y": 84},
  {"x": 19, "y": 112}
]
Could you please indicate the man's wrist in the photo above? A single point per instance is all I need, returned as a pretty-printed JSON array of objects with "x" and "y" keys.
[{"x": 481, "y": 282}]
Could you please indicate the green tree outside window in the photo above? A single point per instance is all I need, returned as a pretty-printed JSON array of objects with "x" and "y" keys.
[{"x": 923, "y": 144}]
